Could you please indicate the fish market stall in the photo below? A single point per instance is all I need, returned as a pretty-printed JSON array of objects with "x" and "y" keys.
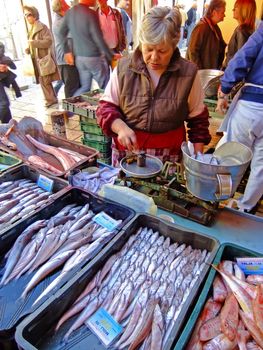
[
  {"x": 155, "y": 268},
  {"x": 45, "y": 251}
]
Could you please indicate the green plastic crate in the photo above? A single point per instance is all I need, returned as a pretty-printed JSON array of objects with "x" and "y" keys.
[
  {"x": 71, "y": 104},
  {"x": 7, "y": 161},
  {"x": 94, "y": 137},
  {"x": 99, "y": 146},
  {"x": 227, "y": 251},
  {"x": 89, "y": 96},
  {"x": 91, "y": 128},
  {"x": 87, "y": 120}
]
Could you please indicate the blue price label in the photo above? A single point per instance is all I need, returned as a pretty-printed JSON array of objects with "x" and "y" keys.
[
  {"x": 106, "y": 221},
  {"x": 103, "y": 325},
  {"x": 45, "y": 183},
  {"x": 251, "y": 266}
]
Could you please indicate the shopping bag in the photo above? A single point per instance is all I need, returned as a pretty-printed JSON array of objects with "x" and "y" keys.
[
  {"x": 28, "y": 68},
  {"x": 46, "y": 65}
]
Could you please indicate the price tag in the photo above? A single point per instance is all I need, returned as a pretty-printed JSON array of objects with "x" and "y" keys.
[
  {"x": 106, "y": 221},
  {"x": 251, "y": 266},
  {"x": 45, "y": 183},
  {"x": 104, "y": 326}
]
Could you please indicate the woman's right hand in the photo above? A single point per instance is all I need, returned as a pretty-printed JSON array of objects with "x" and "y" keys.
[
  {"x": 27, "y": 50},
  {"x": 221, "y": 106},
  {"x": 127, "y": 139},
  {"x": 126, "y": 136}
]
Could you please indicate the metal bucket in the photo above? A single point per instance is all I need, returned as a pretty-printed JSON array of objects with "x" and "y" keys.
[
  {"x": 216, "y": 182},
  {"x": 210, "y": 81}
]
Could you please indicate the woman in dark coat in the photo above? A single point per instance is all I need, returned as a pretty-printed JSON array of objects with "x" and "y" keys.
[
  {"x": 40, "y": 42},
  {"x": 207, "y": 47}
]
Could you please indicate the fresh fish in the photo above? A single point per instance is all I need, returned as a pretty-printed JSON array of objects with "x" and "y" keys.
[
  {"x": 74, "y": 310},
  {"x": 210, "y": 310},
  {"x": 229, "y": 317},
  {"x": 219, "y": 290},
  {"x": 255, "y": 279},
  {"x": 45, "y": 270},
  {"x": 38, "y": 161},
  {"x": 210, "y": 329},
  {"x": 5, "y": 196},
  {"x": 257, "y": 305},
  {"x": 241, "y": 294},
  {"x": 18, "y": 246},
  {"x": 239, "y": 273},
  {"x": 157, "y": 329},
  {"x": 220, "y": 342},
  {"x": 64, "y": 158},
  {"x": 6, "y": 205},
  {"x": 143, "y": 328}
]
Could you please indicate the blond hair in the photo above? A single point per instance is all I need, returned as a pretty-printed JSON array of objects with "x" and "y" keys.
[
  {"x": 161, "y": 24},
  {"x": 247, "y": 12}
]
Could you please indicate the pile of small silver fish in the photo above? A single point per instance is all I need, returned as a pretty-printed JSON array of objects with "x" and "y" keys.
[
  {"x": 19, "y": 198},
  {"x": 68, "y": 238},
  {"x": 144, "y": 287},
  {"x": 232, "y": 317}
]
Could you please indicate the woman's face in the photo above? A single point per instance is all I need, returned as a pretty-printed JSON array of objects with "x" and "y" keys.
[
  {"x": 235, "y": 12},
  {"x": 218, "y": 15},
  {"x": 157, "y": 57},
  {"x": 29, "y": 17}
]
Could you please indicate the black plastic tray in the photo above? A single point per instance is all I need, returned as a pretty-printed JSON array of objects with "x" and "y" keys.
[
  {"x": 37, "y": 330},
  {"x": 227, "y": 251},
  {"x": 28, "y": 172},
  {"x": 13, "y": 309}
]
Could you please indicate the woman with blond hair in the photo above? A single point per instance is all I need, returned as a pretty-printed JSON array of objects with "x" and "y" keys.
[
  {"x": 153, "y": 92},
  {"x": 244, "y": 11}
]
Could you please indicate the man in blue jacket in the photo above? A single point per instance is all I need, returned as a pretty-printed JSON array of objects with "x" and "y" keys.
[
  {"x": 92, "y": 55},
  {"x": 244, "y": 121}
]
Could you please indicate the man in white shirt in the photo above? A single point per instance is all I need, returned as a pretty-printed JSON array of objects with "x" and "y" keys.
[{"x": 112, "y": 27}]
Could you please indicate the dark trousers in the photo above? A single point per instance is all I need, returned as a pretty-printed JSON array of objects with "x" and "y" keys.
[
  {"x": 5, "y": 113},
  {"x": 70, "y": 77}
]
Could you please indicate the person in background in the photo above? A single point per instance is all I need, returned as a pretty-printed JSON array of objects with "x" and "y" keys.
[
  {"x": 207, "y": 47},
  {"x": 184, "y": 18},
  {"x": 8, "y": 78},
  {"x": 191, "y": 20},
  {"x": 68, "y": 72},
  {"x": 122, "y": 6},
  {"x": 5, "y": 113},
  {"x": 244, "y": 11},
  {"x": 39, "y": 44},
  {"x": 92, "y": 55},
  {"x": 112, "y": 27},
  {"x": 152, "y": 92},
  {"x": 244, "y": 120}
]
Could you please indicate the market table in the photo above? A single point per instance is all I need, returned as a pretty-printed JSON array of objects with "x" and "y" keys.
[{"x": 230, "y": 225}]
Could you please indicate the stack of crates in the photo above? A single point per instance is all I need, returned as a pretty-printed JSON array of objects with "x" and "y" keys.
[{"x": 85, "y": 106}]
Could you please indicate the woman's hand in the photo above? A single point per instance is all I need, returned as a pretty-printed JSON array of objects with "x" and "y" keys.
[
  {"x": 27, "y": 50},
  {"x": 222, "y": 105},
  {"x": 198, "y": 147},
  {"x": 126, "y": 136}
]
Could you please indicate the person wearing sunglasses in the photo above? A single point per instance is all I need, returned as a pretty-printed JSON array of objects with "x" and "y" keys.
[{"x": 40, "y": 42}]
